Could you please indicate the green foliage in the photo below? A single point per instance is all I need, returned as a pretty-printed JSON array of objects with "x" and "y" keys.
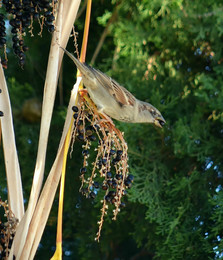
[{"x": 168, "y": 53}]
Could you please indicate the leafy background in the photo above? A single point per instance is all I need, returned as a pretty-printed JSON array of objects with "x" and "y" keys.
[{"x": 168, "y": 53}]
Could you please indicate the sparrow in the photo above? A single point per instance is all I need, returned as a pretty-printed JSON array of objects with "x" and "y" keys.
[{"x": 114, "y": 100}]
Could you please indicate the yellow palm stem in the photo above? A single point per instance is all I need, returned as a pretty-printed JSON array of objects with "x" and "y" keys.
[
  {"x": 58, "y": 253},
  {"x": 86, "y": 31}
]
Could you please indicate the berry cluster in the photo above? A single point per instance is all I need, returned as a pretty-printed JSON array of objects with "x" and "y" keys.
[
  {"x": 21, "y": 15},
  {"x": 7, "y": 230},
  {"x": 2, "y": 37},
  {"x": 107, "y": 171},
  {"x": 1, "y": 113}
]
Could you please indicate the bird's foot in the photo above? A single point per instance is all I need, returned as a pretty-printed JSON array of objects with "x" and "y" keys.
[{"x": 83, "y": 91}]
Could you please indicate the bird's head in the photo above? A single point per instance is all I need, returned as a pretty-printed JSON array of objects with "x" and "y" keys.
[{"x": 151, "y": 114}]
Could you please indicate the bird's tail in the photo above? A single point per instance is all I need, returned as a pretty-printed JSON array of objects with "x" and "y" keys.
[{"x": 83, "y": 68}]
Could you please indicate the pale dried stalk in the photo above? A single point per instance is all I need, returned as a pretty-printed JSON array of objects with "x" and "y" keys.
[
  {"x": 69, "y": 15},
  {"x": 26, "y": 234},
  {"x": 44, "y": 205},
  {"x": 13, "y": 174},
  {"x": 47, "y": 108}
]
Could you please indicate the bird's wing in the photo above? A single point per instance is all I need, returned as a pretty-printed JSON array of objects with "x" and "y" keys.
[{"x": 122, "y": 95}]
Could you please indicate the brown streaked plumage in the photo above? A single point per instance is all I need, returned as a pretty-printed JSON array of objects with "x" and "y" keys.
[{"x": 113, "y": 99}]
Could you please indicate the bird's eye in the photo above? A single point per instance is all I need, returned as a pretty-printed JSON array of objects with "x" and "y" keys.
[{"x": 153, "y": 112}]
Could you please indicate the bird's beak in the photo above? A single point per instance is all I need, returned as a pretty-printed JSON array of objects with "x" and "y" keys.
[{"x": 159, "y": 121}]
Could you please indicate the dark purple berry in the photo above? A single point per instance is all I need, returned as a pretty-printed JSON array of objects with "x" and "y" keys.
[
  {"x": 26, "y": 2},
  {"x": 122, "y": 205},
  {"x": 75, "y": 115},
  {"x": 112, "y": 152},
  {"x": 15, "y": 2},
  {"x": 18, "y": 14},
  {"x": 108, "y": 198},
  {"x": 21, "y": 42},
  {"x": 104, "y": 187},
  {"x": 2, "y": 40},
  {"x": 114, "y": 184},
  {"x": 2, "y": 34},
  {"x": 47, "y": 23},
  {"x": 36, "y": 16},
  {"x": 47, "y": 13},
  {"x": 2, "y": 23},
  {"x": 128, "y": 183},
  {"x": 99, "y": 163},
  {"x": 25, "y": 48},
  {"x": 84, "y": 191},
  {"x": 83, "y": 170},
  {"x": 124, "y": 192},
  {"x": 50, "y": 18},
  {"x": 96, "y": 184},
  {"x": 16, "y": 50},
  {"x": 112, "y": 193},
  {"x": 109, "y": 182},
  {"x": 14, "y": 30},
  {"x": 75, "y": 108},
  {"x": 12, "y": 11},
  {"x": 119, "y": 153},
  {"x": 85, "y": 152},
  {"x": 114, "y": 161},
  {"x": 92, "y": 138},
  {"x": 25, "y": 18},
  {"x": 130, "y": 177},
  {"x": 118, "y": 176},
  {"x": 80, "y": 122},
  {"x": 22, "y": 62},
  {"x": 5, "y": 2},
  {"x": 90, "y": 127},
  {"x": 12, "y": 22},
  {"x": 92, "y": 195},
  {"x": 118, "y": 158},
  {"x": 97, "y": 127},
  {"x": 21, "y": 55},
  {"x": 17, "y": 23},
  {"x": 26, "y": 24},
  {"x": 104, "y": 161},
  {"x": 10, "y": 243},
  {"x": 31, "y": 10},
  {"x": 109, "y": 175},
  {"x": 15, "y": 38},
  {"x": 51, "y": 28}
]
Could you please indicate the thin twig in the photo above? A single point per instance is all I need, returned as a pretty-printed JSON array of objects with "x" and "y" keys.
[
  {"x": 13, "y": 174},
  {"x": 82, "y": 9}
]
